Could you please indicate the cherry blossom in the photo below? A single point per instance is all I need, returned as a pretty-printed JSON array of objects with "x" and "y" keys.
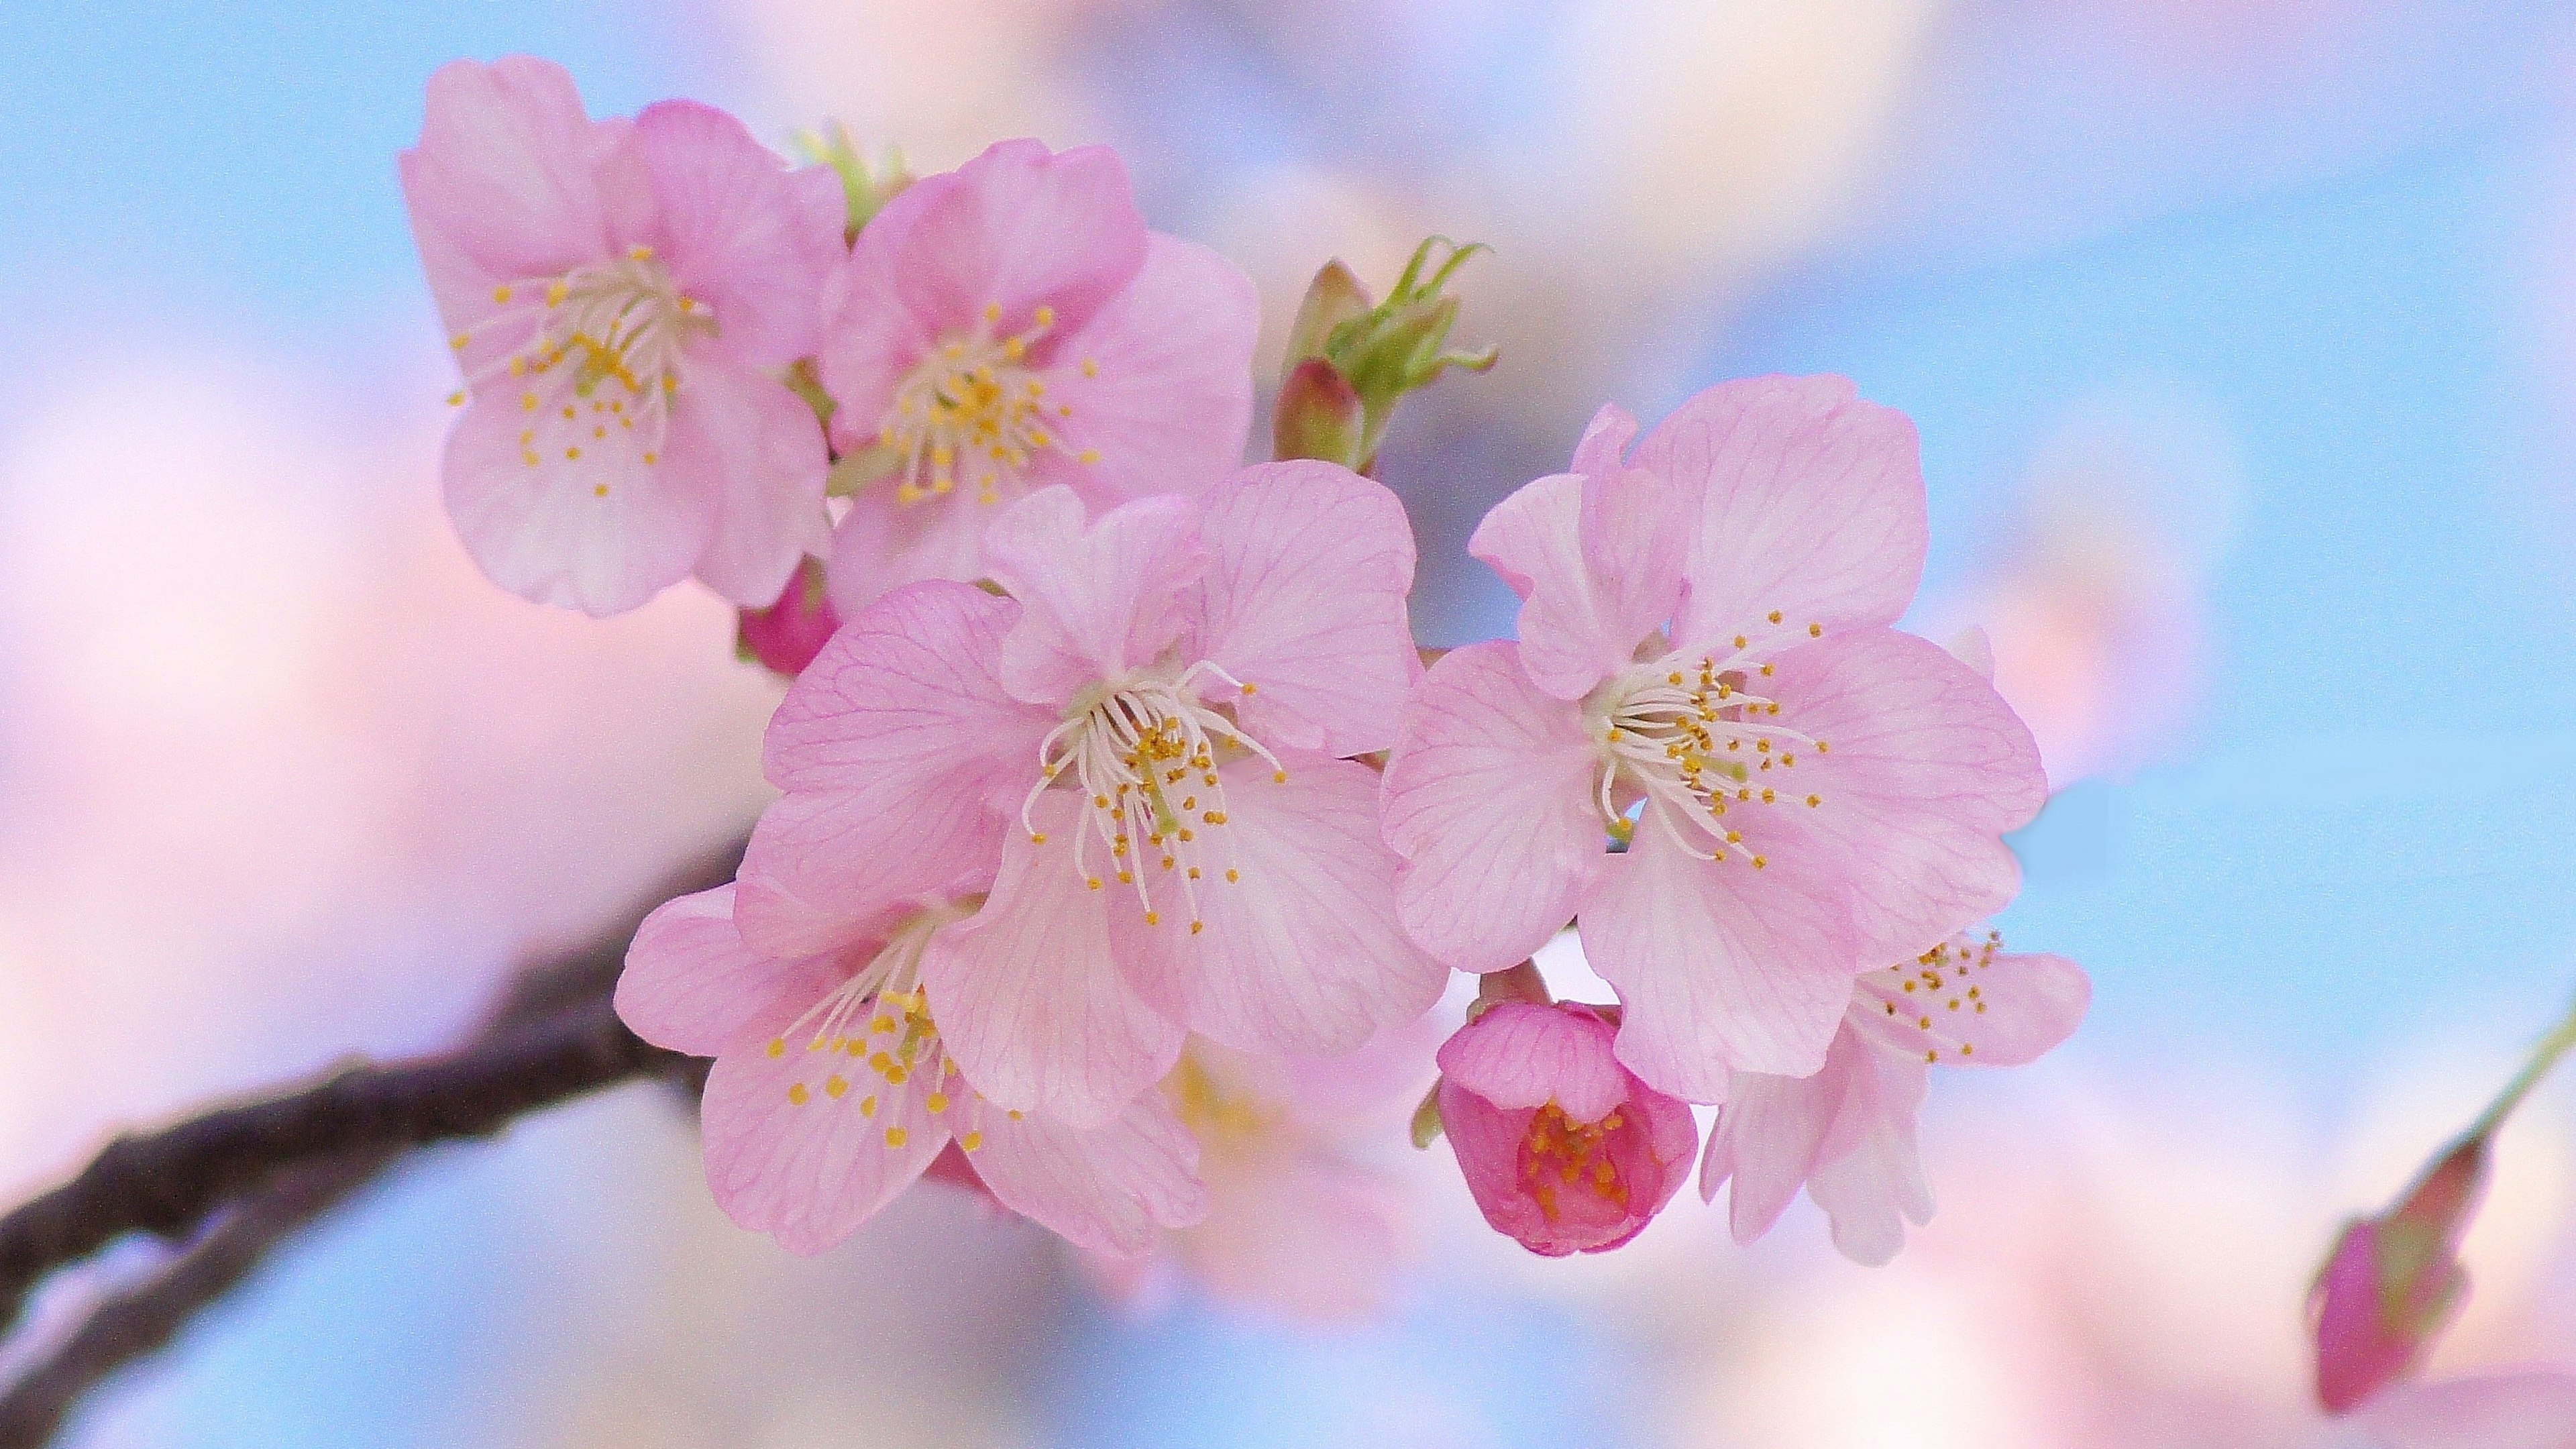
[
  {"x": 833, "y": 1090},
  {"x": 1012, "y": 325},
  {"x": 1847, "y": 1133},
  {"x": 1144, "y": 747},
  {"x": 1705, "y": 678},
  {"x": 620, "y": 295},
  {"x": 1564, "y": 1148}
]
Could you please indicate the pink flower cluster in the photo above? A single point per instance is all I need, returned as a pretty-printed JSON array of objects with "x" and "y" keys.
[{"x": 1107, "y": 758}]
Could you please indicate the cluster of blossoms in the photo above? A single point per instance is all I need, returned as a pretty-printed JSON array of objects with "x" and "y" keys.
[{"x": 1110, "y": 771}]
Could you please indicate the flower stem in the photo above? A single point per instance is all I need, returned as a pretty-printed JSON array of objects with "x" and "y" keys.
[{"x": 2543, "y": 1057}]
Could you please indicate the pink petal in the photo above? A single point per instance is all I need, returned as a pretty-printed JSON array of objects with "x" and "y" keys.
[
  {"x": 1520, "y": 1054},
  {"x": 1927, "y": 768},
  {"x": 1019, "y": 227},
  {"x": 1101, "y": 599},
  {"x": 1596, "y": 558},
  {"x": 736, "y": 232},
  {"x": 1489, "y": 797},
  {"x": 1870, "y": 1180},
  {"x": 1309, "y": 564},
  {"x": 1303, "y": 953},
  {"x": 903, "y": 763},
  {"x": 1768, "y": 1135},
  {"x": 809, "y": 1172},
  {"x": 1110, "y": 1189},
  {"x": 2527, "y": 1410},
  {"x": 870, "y": 340},
  {"x": 1159, "y": 380},
  {"x": 1030, "y": 998},
  {"x": 770, "y": 451},
  {"x": 602, "y": 533},
  {"x": 1487, "y": 1141},
  {"x": 1718, "y": 965},
  {"x": 1813, "y": 505},
  {"x": 1302, "y": 1233},
  {"x": 691, "y": 985},
  {"x": 881, "y": 545},
  {"x": 504, "y": 179},
  {"x": 2021, "y": 1007}
]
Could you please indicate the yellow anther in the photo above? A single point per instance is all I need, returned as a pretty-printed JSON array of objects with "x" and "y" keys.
[
  {"x": 798, "y": 1095},
  {"x": 834, "y": 1086},
  {"x": 971, "y": 1141},
  {"x": 896, "y": 1136},
  {"x": 937, "y": 1103},
  {"x": 778, "y": 1046},
  {"x": 1233, "y": 875}
]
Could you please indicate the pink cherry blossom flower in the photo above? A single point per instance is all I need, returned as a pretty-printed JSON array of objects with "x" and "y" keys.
[
  {"x": 1705, "y": 671},
  {"x": 2534, "y": 1409},
  {"x": 619, "y": 295},
  {"x": 1150, "y": 736},
  {"x": 833, "y": 1091},
  {"x": 1847, "y": 1132},
  {"x": 1564, "y": 1148},
  {"x": 1012, "y": 325}
]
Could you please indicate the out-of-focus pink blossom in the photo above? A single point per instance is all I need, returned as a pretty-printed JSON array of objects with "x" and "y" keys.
[
  {"x": 789, "y": 633},
  {"x": 2531, "y": 1410},
  {"x": 1150, "y": 735},
  {"x": 1847, "y": 1133},
  {"x": 620, "y": 295},
  {"x": 1705, "y": 670},
  {"x": 2394, "y": 1282},
  {"x": 832, "y": 1089},
  {"x": 1011, "y": 325},
  {"x": 1564, "y": 1148}
]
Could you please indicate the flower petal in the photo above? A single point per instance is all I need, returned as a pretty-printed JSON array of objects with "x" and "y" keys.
[
  {"x": 1309, "y": 564},
  {"x": 1017, "y": 227},
  {"x": 903, "y": 762},
  {"x": 1110, "y": 1188},
  {"x": 1158, "y": 383},
  {"x": 770, "y": 511},
  {"x": 691, "y": 985},
  {"x": 2527, "y": 1410},
  {"x": 1101, "y": 599},
  {"x": 791, "y": 1155},
  {"x": 1870, "y": 1177},
  {"x": 1489, "y": 797},
  {"x": 1768, "y": 1135},
  {"x": 1927, "y": 768},
  {"x": 736, "y": 231},
  {"x": 1521, "y": 1054},
  {"x": 505, "y": 176},
  {"x": 1030, "y": 997},
  {"x": 1596, "y": 558},
  {"x": 600, "y": 532},
  {"x": 1973, "y": 1010},
  {"x": 1303, "y": 953},
  {"x": 882, "y": 544},
  {"x": 1811, "y": 503},
  {"x": 1719, "y": 965}
]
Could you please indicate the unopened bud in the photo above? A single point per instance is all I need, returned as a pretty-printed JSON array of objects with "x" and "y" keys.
[
  {"x": 788, "y": 634},
  {"x": 1318, "y": 416},
  {"x": 1387, "y": 350},
  {"x": 2394, "y": 1282},
  {"x": 1333, "y": 298},
  {"x": 866, "y": 190}
]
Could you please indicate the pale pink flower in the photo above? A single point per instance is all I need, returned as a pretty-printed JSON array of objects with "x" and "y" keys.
[
  {"x": 1565, "y": 1150},
  {"x": 1847, "y": 1133},
  {"x": 2529, "y": 1410},
  {"x": 1150, "y": 736},
  {"x": 1704, "y": 670},
  {"x": 833, "y": 1090},
  {"x": 619, "y": 295},
  {"x": 1011, "y": 325}
]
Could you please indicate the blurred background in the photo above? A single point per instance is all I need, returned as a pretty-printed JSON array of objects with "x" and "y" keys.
[{"x": 2242, "y": 338}]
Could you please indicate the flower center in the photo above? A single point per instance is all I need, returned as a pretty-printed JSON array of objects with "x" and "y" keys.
[
  {"x": 596, "y": 354},
  {"x": 1144, "y": 754},
  {"x": 1559, "y": 1153},
  {"x": 877, "y": 1025},
  {"x": 1937, "y": 995},
  {"x": 1695, "y": 738},
  {"x": 974, "y": 407}
]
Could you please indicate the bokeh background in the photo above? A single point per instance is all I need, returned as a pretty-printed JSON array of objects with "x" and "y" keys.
[{"x": 2242, "y": 338}]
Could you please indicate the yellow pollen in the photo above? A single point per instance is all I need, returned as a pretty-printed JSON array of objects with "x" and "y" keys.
[
  {"x": 1775, "y": 616},
  {"x": 971, "y": 1141},
  {"x": 798, "y": 1095},
  {"x": 501, "y": 293},
  {"x": 868, "y": 1107},
  {"x": 937, "y": 1103},
  {"x": 1233, "y": 875},
  {"x": 1090, "y": 367},
  {"x": 599, "y": 490},
  {"x": 778, "y": 1046},
  {"x": 896, "y": 1136},
  {"x": 572, "y": 453},
  {"x": 834, "y": 1086}
]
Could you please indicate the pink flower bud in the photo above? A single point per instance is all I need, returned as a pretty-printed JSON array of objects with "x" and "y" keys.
[
  {"x": 788, "y": 634},
  {"x": 1318, "y": 416},
  {"x": 1564, "y": 1149},
  {"x": 2394, "y": 1282}
]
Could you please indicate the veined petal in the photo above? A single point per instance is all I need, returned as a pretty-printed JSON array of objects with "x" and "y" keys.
[
  {"x": 770, "y": 451},
  {"x": 1810, "y": 502},
  {"x": 1718, "y": 964},
  {"x": 1869, "y": 1178},
  {"x": 1302, "y": 953},
  {"x": 1156, "y": 388},
  {"x": 506, "y": 177},
  {"x": 792, "y": 1155},
  {"x": 735, "y": 231},
  {"x": 1101, "y": 599},
  {"x": 881, "y": 545},
  {"x": 1030, "y": 997},
  {"x": 1768, "y": 1136},
  {"x": 1490, "y": 798},
  {"x": 1309, "y": 565},
  {"x": 691, "y": 985},
  {"x": 1110, "y": 1188},
  {"x": 1521, "y": 1054},
  {"x": 600, "y": 531},
  {"x": 1018, "y": 227},
  {"x": 1926, "y": 768},
  {"x": 1973, "y": 1008}
]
